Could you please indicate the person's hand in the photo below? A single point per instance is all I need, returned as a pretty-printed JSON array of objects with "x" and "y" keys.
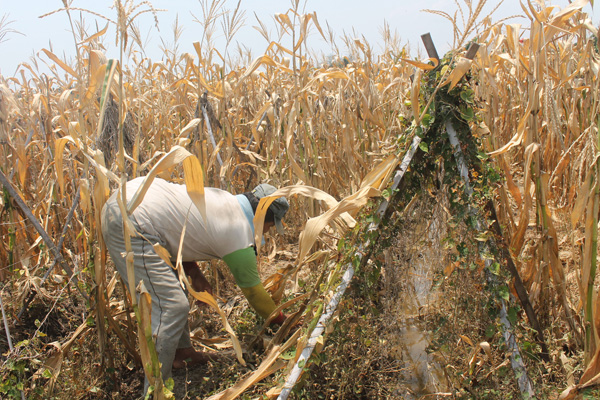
[
  {"x": 197, "y": 280},
  {"x": 289, "y": 327},
  {"x": 279, "y": 320},
  {"x": 200, "y": 284}
]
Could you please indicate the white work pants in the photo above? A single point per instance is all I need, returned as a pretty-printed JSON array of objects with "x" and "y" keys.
[{"x": 170, "y": 305}]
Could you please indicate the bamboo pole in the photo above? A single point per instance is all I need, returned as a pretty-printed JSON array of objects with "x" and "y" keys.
[
  {"x": 516, "y": 360},
  {"x": 346, "y": 278},
  {"x": 517, "y": 364}
]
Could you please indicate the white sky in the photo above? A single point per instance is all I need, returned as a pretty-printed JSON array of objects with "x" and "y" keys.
[{"x": 365, "y": 17}]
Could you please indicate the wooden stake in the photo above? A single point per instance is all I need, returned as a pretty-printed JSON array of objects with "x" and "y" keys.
[{"x": 429, "y": 46}]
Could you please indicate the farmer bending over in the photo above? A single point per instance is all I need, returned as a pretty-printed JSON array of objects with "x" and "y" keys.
[{"x": 228, "y": 234}]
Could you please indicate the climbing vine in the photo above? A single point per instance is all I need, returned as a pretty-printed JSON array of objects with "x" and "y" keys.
[{"x": 434, "y": 169}]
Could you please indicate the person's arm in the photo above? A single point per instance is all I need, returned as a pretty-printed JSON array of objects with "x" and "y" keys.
[
  {"x": 242, "y": 264},
  {"x": 197, "y": 279}
]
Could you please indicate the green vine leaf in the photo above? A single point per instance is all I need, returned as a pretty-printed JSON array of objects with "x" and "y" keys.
[
  {"x": 467, "y": 114},
  {"x": 467, "y": 96},
  {"x": 288, "y": 355},
  {"x": 503, "y": 292}
]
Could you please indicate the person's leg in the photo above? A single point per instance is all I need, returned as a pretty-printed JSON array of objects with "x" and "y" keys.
[
  {"x": 170, "y": 306},
  {"x": 187, "y": 356}
]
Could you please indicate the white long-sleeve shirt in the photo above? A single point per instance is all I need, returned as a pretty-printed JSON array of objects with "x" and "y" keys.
[{"x": 167, "y": 206}]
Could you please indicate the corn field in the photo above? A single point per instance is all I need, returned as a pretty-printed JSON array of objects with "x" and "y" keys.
[{"x": 330, "y": 135}]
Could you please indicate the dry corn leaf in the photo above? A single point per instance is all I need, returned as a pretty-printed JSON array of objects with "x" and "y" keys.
[
  {"x": 111, "y": 66},
  {"x": 96, "y": 159},
  {"x": 95, "y": 82},
  {"x": 281, "y": 48},
  {"x": 304, "y": 20},
  {"x": 86, "y": 201},
  {"x": 145, "y": 325},
  {"x": 423, "y": 64},
  {"x": 147, "y": 350},
  {"x": 462, "y": 67},
  {"x": 23, "y": 163},
  {"x": 569, "y": 393},
  {"x": 60, "y": 63},
  {"x": 512, "y": 37},
  {"x": 475, "y": 355},
  {"x": 284, "y": 20},
  {"x": 517, "y": 240},
  {"x": 191, "y": 125},
  {"x": 289, "y": 136},
  {"x": 582, "y": 199},
  {"x": 266, "y": 108},
  {"x": 275, "y": 283},
  {"x": 536, "y": 15},
  {"x": 591, "y": 229},
  {"x": 323, "y": 77},
  {"x": 266, "y": 60},
  {"x": 128, "y": 230},
  {"x": 306, "y": 191},
  {"x": 315, "y": 225},
  {"x": 587, "y": 380},
  {"x": 473, "y": 359},
  {"x": 379, "y": 176},
  {"x": 560, "y": 18},
  {"x": 59, "y": 147},
  {"x": 316, "y": 22},
  {"x": 193, "y": 177},
  {"x": 450, "y": 268},
  {"x": 54, "y": 362},
  {"x": 510, "y": 182},
  {"x": 268, "y": 366},
  {"x": 467, "y": 340},
  {"x": 207, "y": 298},
  {"x": 100, "y": 198},
  {"x": 95, "y": 35},
  {"x": 194, "y": 183},
  {"x": 165, "y": 256},
  {"x": 517, "y": 139}
]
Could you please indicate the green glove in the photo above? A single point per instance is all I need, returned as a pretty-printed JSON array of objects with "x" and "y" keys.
[{"x": 260, "y": 300}]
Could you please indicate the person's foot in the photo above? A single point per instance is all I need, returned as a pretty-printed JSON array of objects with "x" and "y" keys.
[{"x": 188, "y": 357}]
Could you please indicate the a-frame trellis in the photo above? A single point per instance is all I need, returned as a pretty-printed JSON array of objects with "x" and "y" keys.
[{"x": 362, "y": 254}]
